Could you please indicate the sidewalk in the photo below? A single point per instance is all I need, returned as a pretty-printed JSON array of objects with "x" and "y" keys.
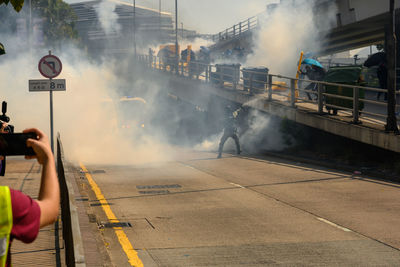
[{"x": 47, "y": 249}]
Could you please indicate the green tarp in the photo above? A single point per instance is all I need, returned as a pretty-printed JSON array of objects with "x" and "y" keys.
[{"x": 349, "y": 75}]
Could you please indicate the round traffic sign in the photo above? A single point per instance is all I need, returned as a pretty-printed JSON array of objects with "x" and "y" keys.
[{"x": 50, "y": 66}]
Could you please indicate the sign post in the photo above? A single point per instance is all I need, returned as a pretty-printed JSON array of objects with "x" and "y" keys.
[{"x": 50, "y": 67}]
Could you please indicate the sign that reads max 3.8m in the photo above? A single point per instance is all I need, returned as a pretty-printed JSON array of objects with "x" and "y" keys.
[{"x": 47, "y": 85}]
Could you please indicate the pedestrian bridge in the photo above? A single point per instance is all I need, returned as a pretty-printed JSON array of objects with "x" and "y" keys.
[
  {"x": 358, "y": 24},
  {"x": 363, "y": 118}
]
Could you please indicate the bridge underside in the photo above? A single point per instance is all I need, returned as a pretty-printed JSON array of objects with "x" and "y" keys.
[
  {"x": 351, "y": 36},
  {"x": 359, "y": 34}
]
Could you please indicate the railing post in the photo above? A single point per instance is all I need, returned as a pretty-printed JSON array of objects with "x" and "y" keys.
[
  {"x": 221, "y": 76},
  {"x": 234, "y": 77},
  {"x": 219, "y": 36},
  {"x": 292, "y": 92},
  {"x": 251, "y": 83},
  {"x": 234, "y": 30},
  {"x": 320, "y": 99},
  {"x": 240, "y": 28},
  {"x": 182, "y": 70},
  {"x": 269, "y": 87},
  {"x": 355, "y": 105},
  {"x": 248, "y": 24},
  {"x": 226, "y": 34}
]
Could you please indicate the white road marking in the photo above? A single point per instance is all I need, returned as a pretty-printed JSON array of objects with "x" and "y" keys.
[{"x": 334, "y": 225}]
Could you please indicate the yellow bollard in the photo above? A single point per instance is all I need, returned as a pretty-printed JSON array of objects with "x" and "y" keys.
[{"x": 296, "y": 90}]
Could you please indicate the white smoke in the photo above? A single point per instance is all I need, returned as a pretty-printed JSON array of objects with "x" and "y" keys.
[
  {"x": 209, "y": 144},
  {"x": 87, "y": 114},
  {"x": 108, "y": 17},
  {"x": 263, "y": 133},
  {"x": 259, "y": 132},
  {"x": 287, "y": 30},
  {"x": 196, "y": 43}
]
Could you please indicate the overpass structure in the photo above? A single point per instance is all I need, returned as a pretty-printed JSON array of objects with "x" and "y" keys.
[
  {"x": 280, "y": 96},
  {"x": 358, "y": 24}
]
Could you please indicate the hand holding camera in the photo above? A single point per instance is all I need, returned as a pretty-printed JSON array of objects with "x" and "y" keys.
[{"x": 39, "y": 144}]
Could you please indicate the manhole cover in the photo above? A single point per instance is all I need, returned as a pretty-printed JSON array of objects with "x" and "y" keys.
[
  {"x": 154, "y": 192},
  {"x": 99, "y": 204},
  {"x": 81, "y": 199},
  {"x": 92, "y": 218},
  {"x": 118, "y": 224},
  {"x": 158, "y": 186},
  {"x": 98, "y": 171}
]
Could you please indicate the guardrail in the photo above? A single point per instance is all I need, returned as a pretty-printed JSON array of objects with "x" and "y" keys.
[
  {"x": 74, "y": 253},
  {"x": 236, "y": 30},
  {"x": 289, "y": 89}
]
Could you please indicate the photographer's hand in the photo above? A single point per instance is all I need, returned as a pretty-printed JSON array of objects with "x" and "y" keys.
[
  {"x": 49, "y": 192},
  {"x": 41, "y": 146}
]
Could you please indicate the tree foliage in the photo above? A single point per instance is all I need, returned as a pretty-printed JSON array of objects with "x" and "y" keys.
[
  {"x": 17, "y": 4},
  {"x": 58, "y": 19}
]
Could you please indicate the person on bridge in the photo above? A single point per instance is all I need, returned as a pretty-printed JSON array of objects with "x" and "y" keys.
[
  {"x": 379, "y": 59},
  {"x": 313, "y": 73},
  {"x": 21, "y": 216},
  {"x": 230, "y": 129}
]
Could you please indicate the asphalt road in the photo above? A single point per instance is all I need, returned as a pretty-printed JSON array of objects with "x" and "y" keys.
[{"x": 197, "y": 210}]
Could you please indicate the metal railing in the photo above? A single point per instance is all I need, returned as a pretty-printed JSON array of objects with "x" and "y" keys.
[
  {"x": 236, "y": 30},
  {"x": 282, "y": 88},
  {"x": 74, "y": 253}
]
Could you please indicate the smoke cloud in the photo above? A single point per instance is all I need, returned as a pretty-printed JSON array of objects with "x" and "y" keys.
[
  {"x": 88, "y": 115},
  {"x": 287, "y": 30},
  {"x": 108, "y": 18},
  {"x": 257, "y": 131},
  {"x": 91, "y": 116}
]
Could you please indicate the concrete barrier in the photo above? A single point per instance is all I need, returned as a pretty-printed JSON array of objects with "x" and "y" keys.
[{"x": 74, "y": 253}]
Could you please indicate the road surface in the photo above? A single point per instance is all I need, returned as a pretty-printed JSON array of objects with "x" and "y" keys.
[{"x": 197, "y": 210}]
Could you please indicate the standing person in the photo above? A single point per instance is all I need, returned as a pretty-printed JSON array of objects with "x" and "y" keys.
[
  {"x": 313, "y": 73},
  {"x": 230, "y": 129},
  {"x": 21, "y": 216},
  {"x": 379, "y": 59},
  {"x": 151, "y": 56}
]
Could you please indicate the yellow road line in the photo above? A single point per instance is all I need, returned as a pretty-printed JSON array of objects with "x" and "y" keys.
[{"x": 122, "y": 238}]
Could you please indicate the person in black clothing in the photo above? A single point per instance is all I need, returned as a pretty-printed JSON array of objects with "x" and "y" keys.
[
  {"x": 230, "y": 130},
  {"x": 313, "y": 73},
  {"x": 379, "y": 59}
]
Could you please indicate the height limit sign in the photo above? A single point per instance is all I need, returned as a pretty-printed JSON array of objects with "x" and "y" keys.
[{"x": 50, "y": 67}]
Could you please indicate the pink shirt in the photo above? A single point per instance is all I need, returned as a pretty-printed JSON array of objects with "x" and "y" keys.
[{"x": 26, "y": 219}]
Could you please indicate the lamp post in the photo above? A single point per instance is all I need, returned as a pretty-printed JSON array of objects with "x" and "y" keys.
[
  {"x": 176, "y": 35},
  {"x": 159, "y": 20},
  {"x": 134, "y": 28},
  {"x": 391, "y": 46},
  {"x": 182, "y": 29}
]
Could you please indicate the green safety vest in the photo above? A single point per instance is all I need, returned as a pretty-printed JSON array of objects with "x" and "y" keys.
[{"x": 6, "y": 222}]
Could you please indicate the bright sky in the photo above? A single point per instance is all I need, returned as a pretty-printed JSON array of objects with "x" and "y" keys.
[{"x": 207, "y": 16}]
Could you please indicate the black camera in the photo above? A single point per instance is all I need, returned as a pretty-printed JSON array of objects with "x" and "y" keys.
[
  {"x": 8, "y": 129},
  {"x": 5, "y": 119}
]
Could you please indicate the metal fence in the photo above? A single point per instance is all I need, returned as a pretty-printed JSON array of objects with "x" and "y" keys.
[
  {"x": 236, "y": 30},
  {"x": 74, "y": 253},
  {"x": 282, "y": 88}
]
